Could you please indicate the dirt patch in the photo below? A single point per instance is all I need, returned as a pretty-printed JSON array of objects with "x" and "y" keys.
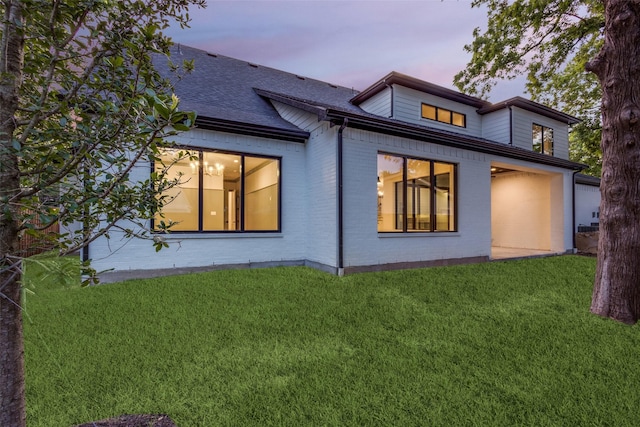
[{"x": 146, "y": 420}]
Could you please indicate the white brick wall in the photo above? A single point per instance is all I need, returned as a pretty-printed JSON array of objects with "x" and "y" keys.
[
  {"x": 364, "y": 246},
  {"x": 320, "y": 182},
  {"x": 309, "y": 206},
  {"x": 203, "y": 249}
]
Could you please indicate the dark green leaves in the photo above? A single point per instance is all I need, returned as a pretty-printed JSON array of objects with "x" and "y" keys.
[
  {"x": 92, "y": 111},
  {"x": 549, "y": 41}
]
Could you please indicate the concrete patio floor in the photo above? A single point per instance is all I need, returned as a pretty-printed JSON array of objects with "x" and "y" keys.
[{"x": 511, "y": 253}]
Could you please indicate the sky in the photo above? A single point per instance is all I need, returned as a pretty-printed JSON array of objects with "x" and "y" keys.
[{"x": 352, "y": 43}]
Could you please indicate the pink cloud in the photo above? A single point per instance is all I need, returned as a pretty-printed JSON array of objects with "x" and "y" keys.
[{"x": 351, "y": 43}]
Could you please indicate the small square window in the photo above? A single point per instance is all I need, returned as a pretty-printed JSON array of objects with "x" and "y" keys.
[
  {"x": 444, "y": 116},
  {"x": 459, "y": 120},
  {"x": 542, "y": 138},
  {"x": 428, "y": 112}
]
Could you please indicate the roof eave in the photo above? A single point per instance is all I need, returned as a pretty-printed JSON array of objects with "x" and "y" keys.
[
  {"x": 457, "y": 141},
  {"x": 209, "y": 123},
  {"x": 587, "y": 180},
  {"x": 532, "y": 106},
  {"x": 420, "y": 85},
  {"x": 300, "y": 104}
]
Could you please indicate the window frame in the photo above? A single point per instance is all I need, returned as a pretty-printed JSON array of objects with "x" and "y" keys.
[
  {"x": 241, "y": 216},
  {"x": 544, "y": 130},
  {"x": 439, "y": 110},
  {"x": 403, "y": 196}
]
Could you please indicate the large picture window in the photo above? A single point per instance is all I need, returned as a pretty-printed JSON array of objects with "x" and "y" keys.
[
  {"x": 415, "y": 195},
  {"x": 221, "y": 191},
  {"x": 542, "y": 139}
]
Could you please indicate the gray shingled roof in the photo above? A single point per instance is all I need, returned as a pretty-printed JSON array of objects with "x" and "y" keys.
[
  {"x": 222, "y": 88},
  {"x": 233, "y": 95}
]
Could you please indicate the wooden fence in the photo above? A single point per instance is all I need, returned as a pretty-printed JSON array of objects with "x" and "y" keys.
[{"x": 29, "y": 245}]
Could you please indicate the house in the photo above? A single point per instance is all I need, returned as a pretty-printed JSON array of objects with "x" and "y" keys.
[
  {"x": 587, "y": 200},
  {"x": 287, "y": 170}
]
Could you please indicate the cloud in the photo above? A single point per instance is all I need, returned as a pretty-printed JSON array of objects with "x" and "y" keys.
[{"x": 351, "y": 43}]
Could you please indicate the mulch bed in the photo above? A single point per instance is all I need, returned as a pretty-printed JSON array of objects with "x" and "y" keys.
[
  {"x": 133, "y": 421},
  {"x": 587, "y": 254}
]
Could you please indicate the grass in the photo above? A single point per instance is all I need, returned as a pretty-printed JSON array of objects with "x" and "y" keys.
[{"x": 503, "y": 343}]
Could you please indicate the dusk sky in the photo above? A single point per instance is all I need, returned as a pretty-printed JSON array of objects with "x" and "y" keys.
[{"x": 350, "y": 43}]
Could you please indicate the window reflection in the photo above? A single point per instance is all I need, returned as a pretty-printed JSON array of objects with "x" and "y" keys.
[
  {"x": 415, "y": 194},
  {"x": 221, "y": 192}
]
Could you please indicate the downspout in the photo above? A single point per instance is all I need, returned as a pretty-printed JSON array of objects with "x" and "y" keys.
[
  {"x": 85, "y": 252},
  {"x": 392, "y": 100},
  {"x": 573, "y": 205},
  {"x": 340, "y": 200},
  {"x": 510, "y": 126}
]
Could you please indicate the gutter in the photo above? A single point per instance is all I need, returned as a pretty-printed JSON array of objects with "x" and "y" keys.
[
  {"x": 252, "y": 129},
  {"x": 389, "y": 126},
  {"x": 407, "y": 130},
  {"x": 340, "y": 199}
]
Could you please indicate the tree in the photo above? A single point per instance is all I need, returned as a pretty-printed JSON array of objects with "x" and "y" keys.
[
  {"x": 80, "y": 106},
  {"x": 558, "y": 43},
  {"x": 616, "y": 293},
  {"x": 549, "y": 41}
]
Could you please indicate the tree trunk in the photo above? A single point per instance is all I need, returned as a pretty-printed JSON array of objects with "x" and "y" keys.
[
  {"x": 616, "y": 292},
  {"x": 12, "y": 403},
  {"x": 12, "y": 397}
]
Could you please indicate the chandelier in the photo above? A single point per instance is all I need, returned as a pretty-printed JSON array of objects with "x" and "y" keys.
[{"x": 212, "y": 170}]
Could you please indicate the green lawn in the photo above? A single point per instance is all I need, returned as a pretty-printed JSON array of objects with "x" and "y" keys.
[{"x": 503, "y": 343}]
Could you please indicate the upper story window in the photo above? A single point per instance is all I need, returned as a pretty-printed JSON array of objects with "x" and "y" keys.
[
  {"x": 443, "y": 115},
  {"x": 542, "y": 139},
  {"x": 221, "y": 191},
  {"x": 415, "y": 195}
]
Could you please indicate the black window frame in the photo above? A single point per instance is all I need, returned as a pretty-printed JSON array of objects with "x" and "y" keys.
[
  {"x": 402, "y": 196},
  {"x": 451, "y": 113},
  {"x": 544, "y": 130},
  {"x": 241, "y": 220}
]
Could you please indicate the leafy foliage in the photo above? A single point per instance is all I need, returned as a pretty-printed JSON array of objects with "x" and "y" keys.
[
  {"x": 82, "y": 108},
  {"x": 549, "y": 41},
  {"x": 92, "y": 107}
]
